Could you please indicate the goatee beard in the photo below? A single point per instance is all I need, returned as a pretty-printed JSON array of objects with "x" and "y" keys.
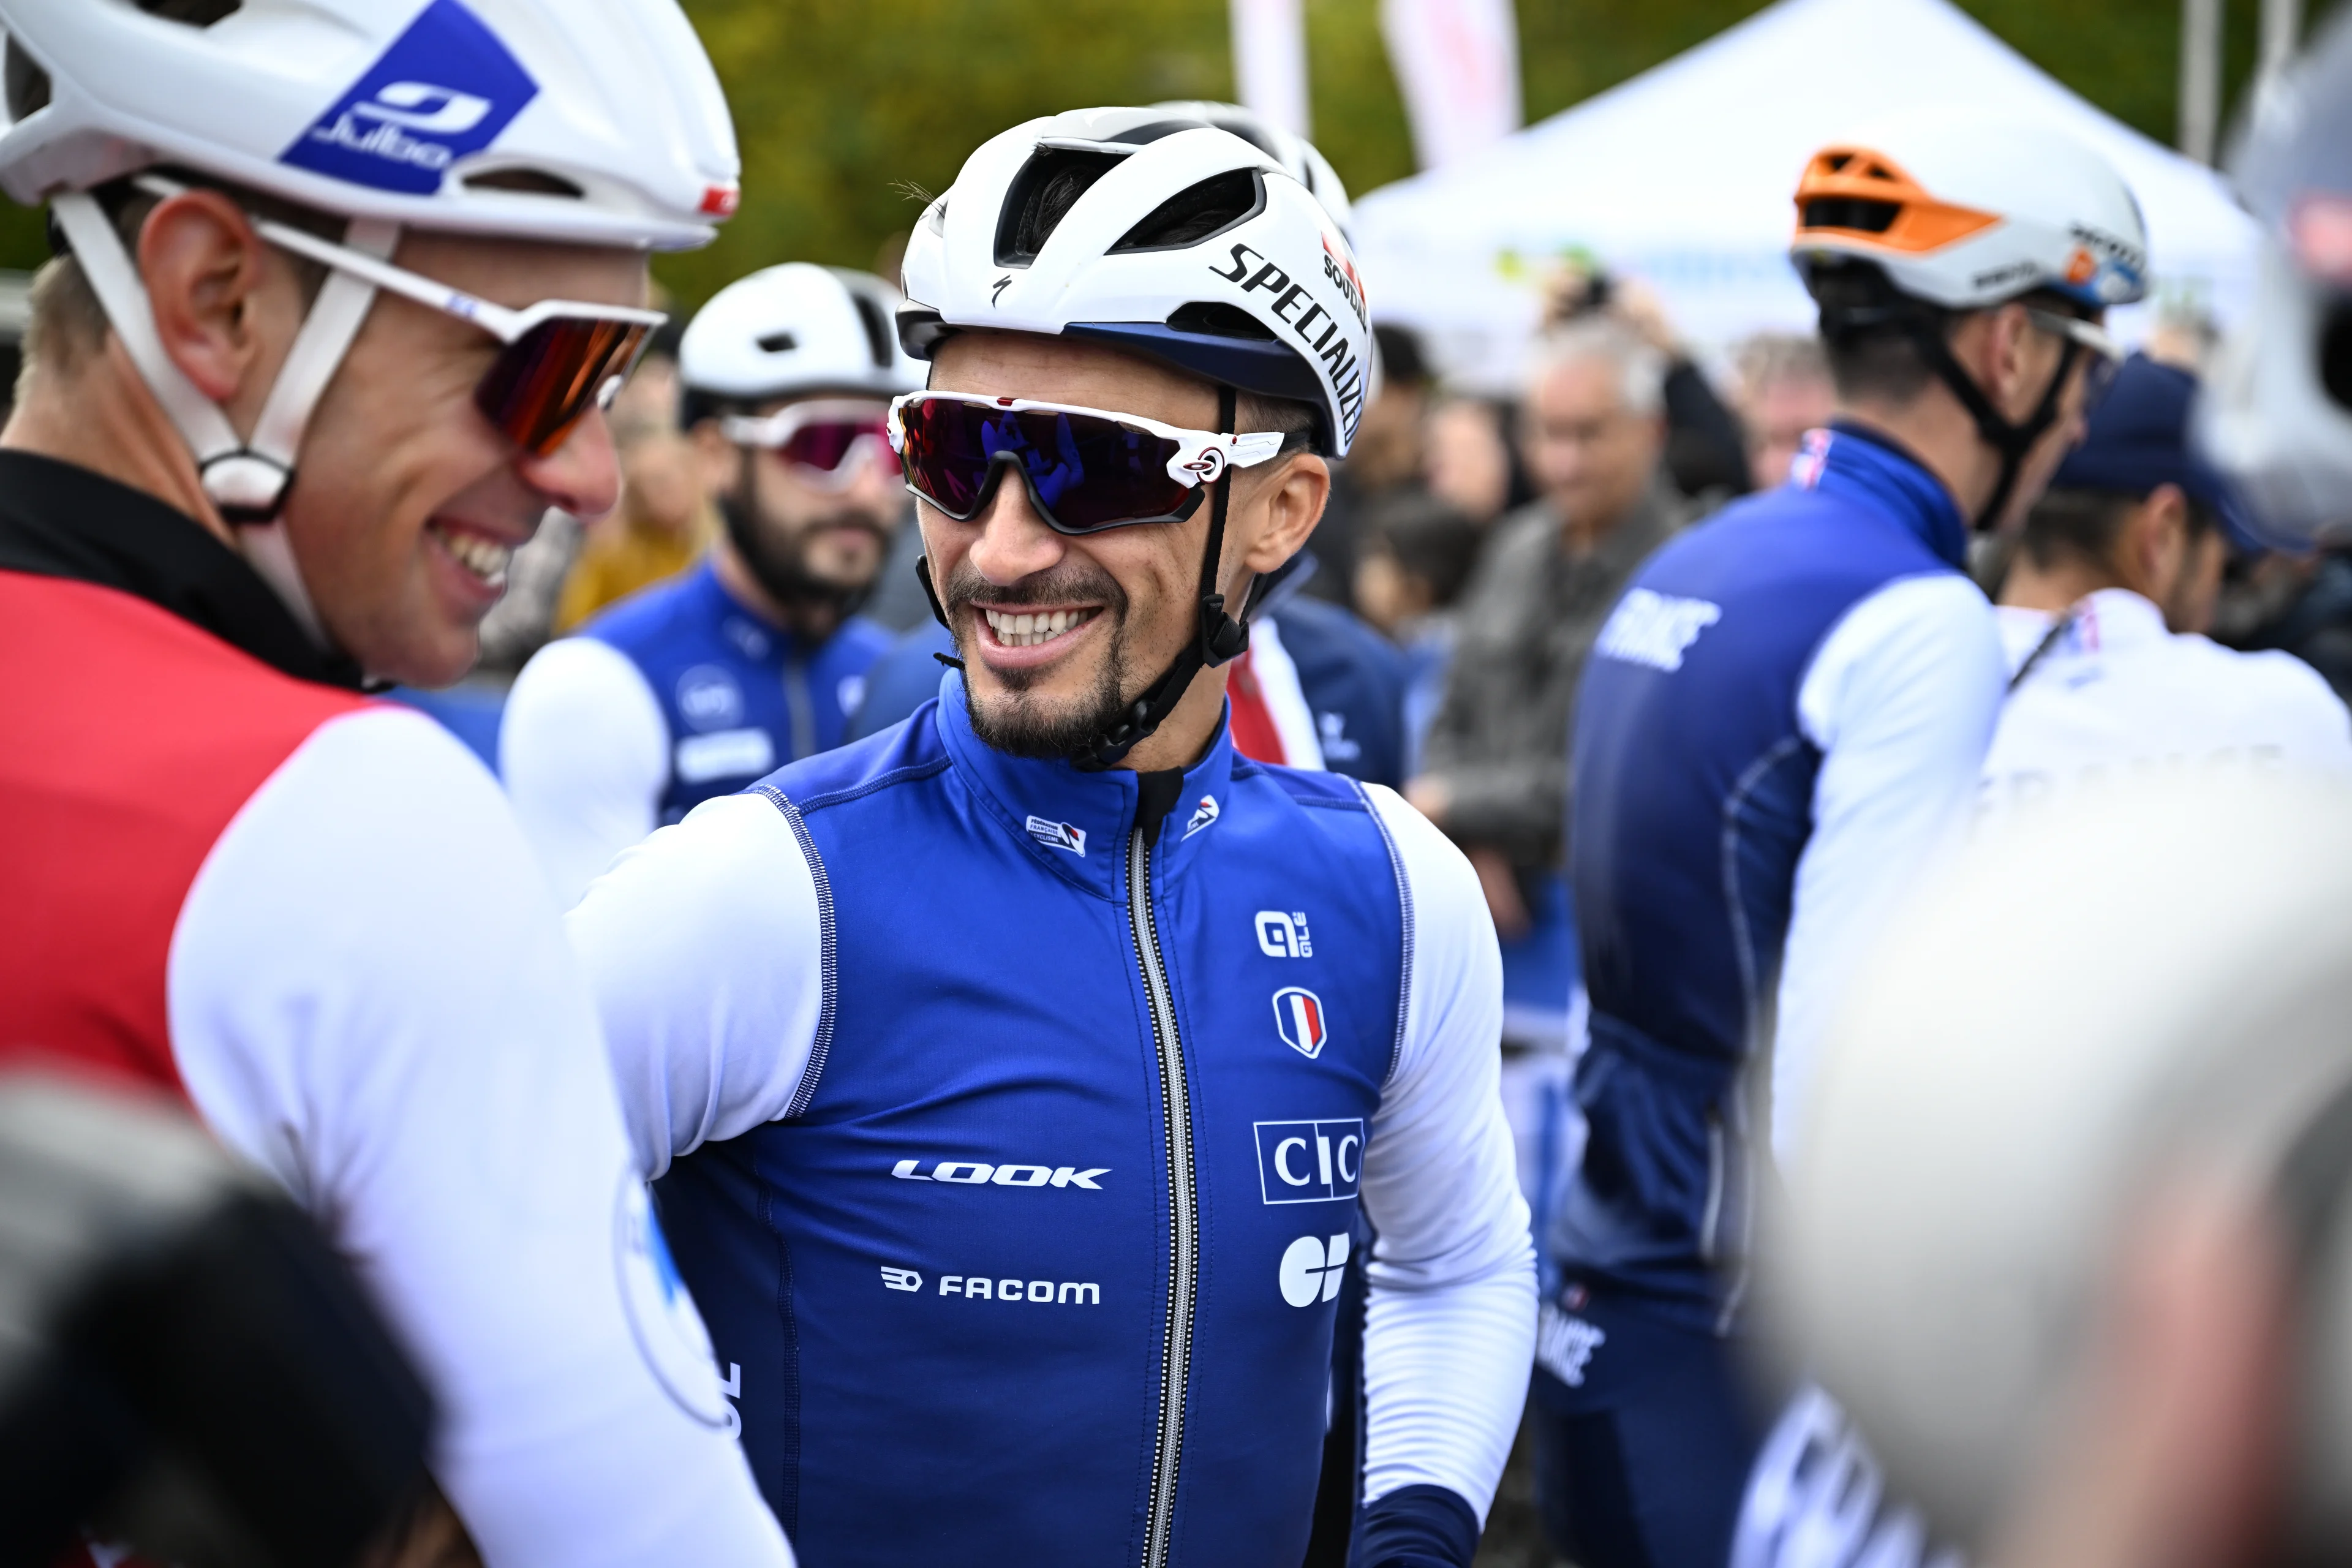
[{"x": 1018, "y": 721}]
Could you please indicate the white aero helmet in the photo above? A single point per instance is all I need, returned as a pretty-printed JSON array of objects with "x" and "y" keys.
[
  {"x": 1159, "y": 235},
  {"x": 1965, "y": 213},
  {"x": 2277, "y": 408},
  {"x": 591, "y": 121},
  {"x": 578, "y": 122},
  {"x": 795, "y": 330},
  {"x": 1940, "y": 213},
  {"x": 1293, "y": 152}
]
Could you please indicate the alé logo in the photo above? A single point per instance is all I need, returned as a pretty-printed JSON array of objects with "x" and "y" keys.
[
  {"x": 445, "y": 87},
  {"x": 1281, "y": 935}
]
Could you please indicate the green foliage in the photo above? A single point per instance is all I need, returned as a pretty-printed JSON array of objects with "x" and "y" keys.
[{"x": 843, "y": 105}]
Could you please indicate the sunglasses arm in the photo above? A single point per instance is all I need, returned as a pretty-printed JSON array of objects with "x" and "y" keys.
[{"x": 1204, "y": 458}]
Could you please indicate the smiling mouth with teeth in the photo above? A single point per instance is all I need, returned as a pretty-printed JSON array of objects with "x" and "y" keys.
[
  {"x": 1029, "y": 630},
  {"x": 485, "y": 558}
]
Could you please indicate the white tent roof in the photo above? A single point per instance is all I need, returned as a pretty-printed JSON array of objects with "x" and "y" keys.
[{"x": 1684, "y": 177}]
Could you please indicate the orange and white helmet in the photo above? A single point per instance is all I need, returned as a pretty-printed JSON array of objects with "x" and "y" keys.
[{"x": 1965, "y": 213}]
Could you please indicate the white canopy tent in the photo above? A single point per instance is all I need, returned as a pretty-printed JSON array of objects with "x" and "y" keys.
[{"x": 1683, "y": 176}]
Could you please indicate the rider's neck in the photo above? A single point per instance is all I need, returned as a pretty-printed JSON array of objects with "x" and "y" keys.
[{"x": 98, "y": 414}]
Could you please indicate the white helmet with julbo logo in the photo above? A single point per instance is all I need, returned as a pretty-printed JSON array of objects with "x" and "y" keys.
[
  {"x": 796, "y": 329},
  {"x": 2277, "y": 409},
  {"x": 1154, "y": 233},
  {"x": 578, "y": 122},
  {"x": 591, "y": 122}
]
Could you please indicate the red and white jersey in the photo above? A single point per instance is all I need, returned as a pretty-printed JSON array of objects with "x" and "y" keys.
[{"x": 313, "y": 917}]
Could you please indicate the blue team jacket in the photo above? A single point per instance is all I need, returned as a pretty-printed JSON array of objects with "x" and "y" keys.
[
  {"x": 1058, "y": 1219},
  {"x": 1691, "y": 803},
  {"x": 740, "y": 697}
]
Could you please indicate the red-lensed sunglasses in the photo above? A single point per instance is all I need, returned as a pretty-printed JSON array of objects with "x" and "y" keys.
[
  {"x": 831, "y": 440},
  {"x": 562, "y": 357}
]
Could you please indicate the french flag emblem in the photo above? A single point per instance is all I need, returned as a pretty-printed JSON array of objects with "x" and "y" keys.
[{"x": 1299, "y": 1018}]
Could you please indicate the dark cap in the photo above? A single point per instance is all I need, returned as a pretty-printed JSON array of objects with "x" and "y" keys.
[{"x": 2138, "y": 439}]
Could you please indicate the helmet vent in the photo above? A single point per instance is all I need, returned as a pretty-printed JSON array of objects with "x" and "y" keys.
[
  {"x": 28, "y": 84},
  {"x": 1852, "y": 212},
  {"x": 777, "y": 342},
  {"x": 531, "y": 182},
  {"x": 1214, "y": 320},
  {"x": 1042, "y": 195},
  {"x": 195, "y": 13},
  {"x": 1197, "y": 213},
  {"x": 878, "y": 330}
]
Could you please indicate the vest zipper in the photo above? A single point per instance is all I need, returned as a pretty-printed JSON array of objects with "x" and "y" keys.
[{"x": 1183, "y": 1207}]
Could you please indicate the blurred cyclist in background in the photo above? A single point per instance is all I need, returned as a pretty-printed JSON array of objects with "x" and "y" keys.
[
  {"x": 757, "y": 656},
  {"x": 2104, "y": 612},
  {"x": 336, "y": 310},
  {"x": 1782, "y": 719}
]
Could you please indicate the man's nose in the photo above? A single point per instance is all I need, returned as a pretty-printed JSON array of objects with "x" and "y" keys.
[
  {"x": 1014, "y": 541},
  {"x": 582, "y": 476}
]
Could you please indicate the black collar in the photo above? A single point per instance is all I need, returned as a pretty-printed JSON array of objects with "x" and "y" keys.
[{"x": 60, "y": 520}]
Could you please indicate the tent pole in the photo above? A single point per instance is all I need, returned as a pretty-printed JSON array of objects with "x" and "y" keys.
[
  {"x": 2201, "y": 75},
  {"x": 2282, "y": 30}
]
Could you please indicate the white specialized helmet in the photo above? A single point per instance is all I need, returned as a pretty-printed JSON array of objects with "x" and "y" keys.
[
  {"x": 2277, "y": 409},
  {"x": 592, "y": 122},
  {"x": 1964, "y": 213},
  {"x": 795, "y": 330},
  {"x": 1293, "y": 152},
  {"x": 1157, "y": 235}
]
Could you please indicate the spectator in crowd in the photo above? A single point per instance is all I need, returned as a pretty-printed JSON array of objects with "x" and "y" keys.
[
  {"x": 1417, "y": 556},
  {"x": 664, "y": 521},
  {"x": 696, "y": 687},
  {"x": 1387, "y": 457},
  {"x": 1468, "y": 463},
  {"x": 1704, "y": 453},
  {"x": 2103, "y": 613},
  {"x": 1496, "y": 774},
  {"x": 1784, "y": 391}
]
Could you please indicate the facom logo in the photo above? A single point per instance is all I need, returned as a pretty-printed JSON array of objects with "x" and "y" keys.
[
  {"x": 1311, "y": 1271},
  {"x": 973, "y": 1173}
]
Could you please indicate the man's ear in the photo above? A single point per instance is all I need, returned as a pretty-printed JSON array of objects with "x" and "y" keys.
[
  {"x": 206, "y": 272},
  {"x": 1290, "y": 502},
  {"x": 2155, "y": 539}
]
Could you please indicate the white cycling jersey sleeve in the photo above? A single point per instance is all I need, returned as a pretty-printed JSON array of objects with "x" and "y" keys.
[
  {"x": 706, "y": 957},
  {"x": 1450, "y": 1331},
  {"x": 370, "y": 996},
  {"x": 585, "y": 753},
  {"x": 1901, "y": 698}
]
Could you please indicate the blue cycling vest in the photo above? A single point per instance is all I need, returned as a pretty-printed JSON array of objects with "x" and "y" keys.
[
  {"x": 1692, "y": 803},
  {"x": 1050, "y": 1241},
  {"x": 740, "y": 696}
]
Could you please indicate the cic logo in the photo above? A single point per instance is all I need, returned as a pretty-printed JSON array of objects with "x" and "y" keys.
[{"x": 1309, "y": 1162}]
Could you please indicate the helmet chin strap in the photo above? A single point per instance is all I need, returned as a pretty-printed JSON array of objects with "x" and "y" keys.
[
  {"x": 2013, "y": 442},
  {"x": 1220, "y": 637},
  {"x": 244, "y": 477}
]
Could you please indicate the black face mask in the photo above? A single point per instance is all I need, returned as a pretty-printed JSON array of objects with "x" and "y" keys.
[{"x": 779, "y": 565}]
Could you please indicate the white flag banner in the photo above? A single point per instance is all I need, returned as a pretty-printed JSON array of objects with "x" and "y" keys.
[
  {"x": 1458, "y": 64},
  {"x": 1270, "y": 60}
]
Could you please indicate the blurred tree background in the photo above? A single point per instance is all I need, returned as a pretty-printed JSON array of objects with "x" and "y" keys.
[{"x": 842, "y": 106}]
